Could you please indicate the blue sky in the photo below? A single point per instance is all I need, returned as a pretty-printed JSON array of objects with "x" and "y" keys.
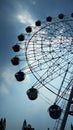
[{"x": 15, "y": 15}]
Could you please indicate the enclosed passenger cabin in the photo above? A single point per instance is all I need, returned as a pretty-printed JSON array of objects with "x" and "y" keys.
[
  {"x": 20, "y": 76},
  {"x": 55, "y": 111},
  {"x": 32, "y": 93},
  {"x": 28, "y": 29},
  {"x": 38, "y": 23},
  {"x": 21, "y": 37},
  {"x": 16, "y": 48},
  {"x": 15, "y": 60}
]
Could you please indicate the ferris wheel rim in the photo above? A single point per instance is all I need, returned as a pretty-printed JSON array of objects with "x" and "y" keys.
[
  {"x": 30, "y": 66},
  {"x": 28, "y": 58}
]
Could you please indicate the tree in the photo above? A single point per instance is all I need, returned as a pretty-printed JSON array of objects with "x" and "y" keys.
[
  {"x": 26, "y": 126},
  {"x": 2, "y": 124},
  {"x": 71, "y": 127}
]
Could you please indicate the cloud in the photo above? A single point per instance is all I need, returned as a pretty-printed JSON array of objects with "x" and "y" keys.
[
  {"x": 4, "y": 90},
  {"x": 7, "y": 76},
  {"x": 25, "y": 18},
  {"x": 7, "y": 80},
  {"x": 34, "y": 2}
]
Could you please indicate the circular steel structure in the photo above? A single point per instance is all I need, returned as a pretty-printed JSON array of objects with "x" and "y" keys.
[
  {"x": 49, "y": 53},
  {"x": 48, "y": 50}
]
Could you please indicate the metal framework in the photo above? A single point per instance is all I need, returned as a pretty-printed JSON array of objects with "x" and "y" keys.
[{"x": 48, "y": 48}]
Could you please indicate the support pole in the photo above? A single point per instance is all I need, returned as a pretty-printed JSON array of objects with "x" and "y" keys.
[{"x": 67, "y": 111}]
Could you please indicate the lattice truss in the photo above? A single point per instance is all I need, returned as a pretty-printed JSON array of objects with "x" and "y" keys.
[{"x": 48, "y": 48}]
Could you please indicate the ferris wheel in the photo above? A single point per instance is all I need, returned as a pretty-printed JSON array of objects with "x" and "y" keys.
[{"x": 48, "y": 48}]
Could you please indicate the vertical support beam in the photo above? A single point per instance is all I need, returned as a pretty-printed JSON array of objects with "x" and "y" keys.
[{"x": 67, "y": 111}]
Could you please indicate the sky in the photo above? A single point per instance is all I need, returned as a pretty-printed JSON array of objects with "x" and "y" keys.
[{"x": 15, "y": 16}]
